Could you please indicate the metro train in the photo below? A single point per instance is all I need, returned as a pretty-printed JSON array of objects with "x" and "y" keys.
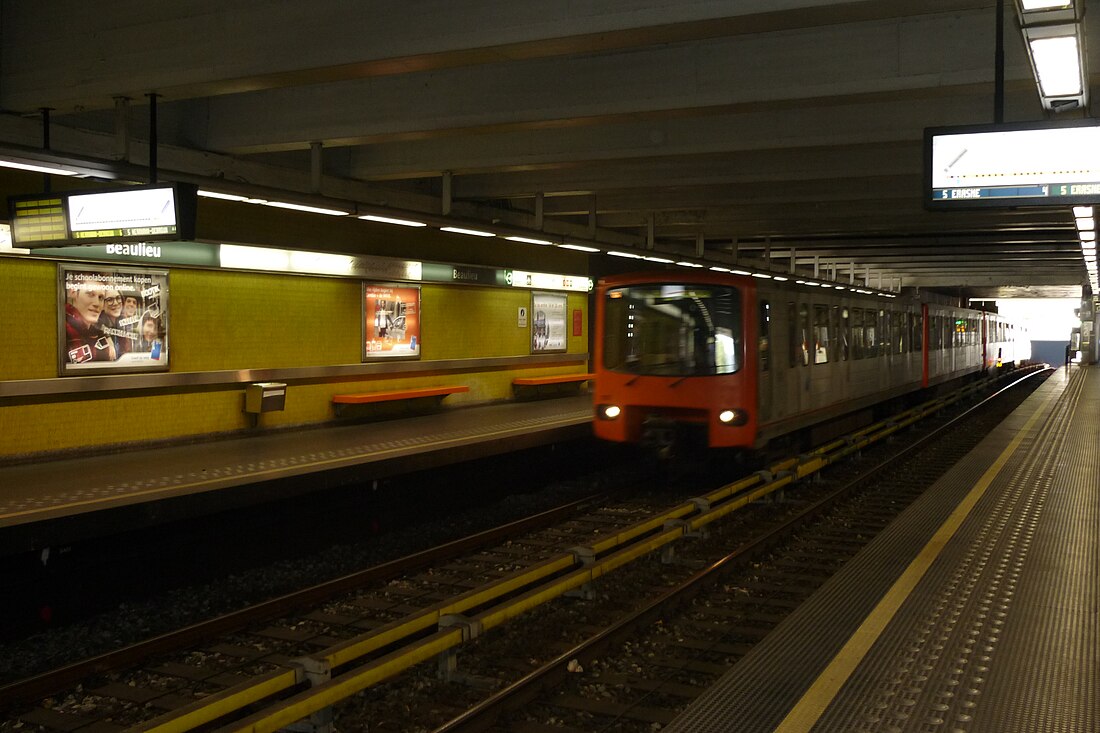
[{"x": 735, "y": 361}]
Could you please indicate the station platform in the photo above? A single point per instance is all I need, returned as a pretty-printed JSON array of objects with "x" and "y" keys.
[
  {"x": 976, "y": 610},
  {"x": 76, "y": 498}
]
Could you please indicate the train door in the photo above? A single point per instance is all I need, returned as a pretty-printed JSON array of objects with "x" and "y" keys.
[
  {"x": 764, "y": 360},
  {"x": 789, "y": 369},
  {"x": 925, "y": 345}
]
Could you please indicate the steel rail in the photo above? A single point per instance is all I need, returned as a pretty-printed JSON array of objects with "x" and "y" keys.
[
  {"x": 524, "y": 690},
  {"x": 590, "y": 563},
  {"x": 55, "y": 680}
]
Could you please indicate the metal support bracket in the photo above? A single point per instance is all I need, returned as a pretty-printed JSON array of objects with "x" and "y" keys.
[
  {"x": 448, "y": 658},
  {"x": 315, "y": 672},
  {"x": 585, "y": 556}
]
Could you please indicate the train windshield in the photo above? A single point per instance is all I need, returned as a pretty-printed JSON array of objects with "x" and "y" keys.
[{"x": 672, "y": 329}]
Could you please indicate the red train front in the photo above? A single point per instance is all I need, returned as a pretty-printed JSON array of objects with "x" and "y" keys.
[{"x": 672, "y": 351}]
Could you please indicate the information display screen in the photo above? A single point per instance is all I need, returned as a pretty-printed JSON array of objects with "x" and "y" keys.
[
  {"x": 1034, "y": 164},
  {"x": 132, "y": 214}
]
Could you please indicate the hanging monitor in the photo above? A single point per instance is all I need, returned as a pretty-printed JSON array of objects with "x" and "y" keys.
[
  {"x": 1030, "y": 164},
  {"x": 132, "y": 214}
]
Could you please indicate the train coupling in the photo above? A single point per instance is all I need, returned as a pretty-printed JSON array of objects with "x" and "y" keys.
[{"x": 660, "y": 435}]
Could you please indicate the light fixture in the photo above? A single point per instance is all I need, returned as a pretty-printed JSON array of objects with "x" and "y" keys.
[
  {"x": 306, "y": 208},
  {"x": 470, "y": 232},
  {"x": 528, "y": 240},
  {"x": 38, "y": 167},
  {"x": 661, "y": 260},
  {"x": 762, "y": 276},
  {"x": 720, "y": 269},
  {"x": 628, "y": 255},
  {"x": 1054, "y": 37},
  {"x": 1087, "y": 236},
  {"x": 1079, "y": 211},
  {"x": 1057, "y": 65},
  {"x": 580, "y": 247},
  {"x": 1031, "y": 5},
  {"x": 1086, "y": 223},
  {"x": 223, "y": 196},
  {"x": 391, "y": 220}
]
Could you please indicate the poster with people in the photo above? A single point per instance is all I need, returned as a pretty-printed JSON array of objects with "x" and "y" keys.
[
  {"x": 112, "y": 319},
  {"x": 391, "y": 322},
  {"x": 548, "y": 322}
]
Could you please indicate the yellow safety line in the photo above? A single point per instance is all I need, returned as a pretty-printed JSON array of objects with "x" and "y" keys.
[
  {"x": 312, "y": 700},
  {"x": 809, "y": 709},
  {"x": 304, "y": 467}
]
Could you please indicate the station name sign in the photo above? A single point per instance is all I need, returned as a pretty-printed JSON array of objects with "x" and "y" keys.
[
  {"x": 1032, "y": 164},
  {"x": 131, "y": 214}
]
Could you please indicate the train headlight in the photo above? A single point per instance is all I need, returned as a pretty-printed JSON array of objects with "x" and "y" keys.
[
  {"x": 733, "y": 417},
  {"x": 610, "y": 412}
]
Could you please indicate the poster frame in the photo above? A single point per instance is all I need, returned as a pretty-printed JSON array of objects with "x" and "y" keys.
[
  {"x": 563, "y": 300},
  {"x": 65, "y": 367},
  {"x": 365, "y": 335}
]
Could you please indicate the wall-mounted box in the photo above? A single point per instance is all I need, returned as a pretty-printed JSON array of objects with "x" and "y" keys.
[{"x": 265, "y": 397}]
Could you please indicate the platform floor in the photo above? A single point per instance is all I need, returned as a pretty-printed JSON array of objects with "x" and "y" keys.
[
  {"x": 66, "y": 489},
  {"x": 976, "y": 610}
]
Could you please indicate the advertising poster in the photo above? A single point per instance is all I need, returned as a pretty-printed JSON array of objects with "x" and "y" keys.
[
  {"x": 391, "y": 322},
  {"x": 112, "y": 319},
  {"x": 547, "y": 322}
]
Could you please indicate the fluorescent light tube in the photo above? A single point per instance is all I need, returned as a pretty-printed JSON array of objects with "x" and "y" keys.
[
  {"x": 303, "y": 207},
  {"x": 391, "y": 220},
  {"x": 1058, "y": 65},
  {"x": 471, "y": 232},
  {"x": 528, "y": 240},
  {"x": 38, "y": 168}
]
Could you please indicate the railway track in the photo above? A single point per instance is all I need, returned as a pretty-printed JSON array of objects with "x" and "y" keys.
[{"x": 366, "y": 647}]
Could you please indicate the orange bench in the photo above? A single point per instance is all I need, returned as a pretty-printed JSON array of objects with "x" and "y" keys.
[
  {"x": 556, "y": 379},
  {"x": 527, "y": 387},
  {"x": 365, "y": 398}
]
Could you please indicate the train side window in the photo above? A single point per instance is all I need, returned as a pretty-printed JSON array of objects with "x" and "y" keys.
[
  {"x": 884, "y": 331},
  {"x": 822, "y": 343},
  {"x": 792, "y": 335},
  {"x": 764, "y": 337},
  {"x": 804, "y": 332},
  {"x": 834, "y": 330},
  {"x": 918, "y": 332},
  {"x": 857, "y": 333},
  {"x": 845, "y": 333},
  {"x": 934, "y": 333},
  {"x": 870, "y": 334},
  {"x": 897, "y": 331}
]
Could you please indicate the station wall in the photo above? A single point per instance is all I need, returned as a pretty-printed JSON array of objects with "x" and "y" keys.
[{"x": 234, "y": 320}]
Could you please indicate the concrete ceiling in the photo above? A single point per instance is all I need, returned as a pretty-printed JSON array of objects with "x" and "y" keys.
[{"x": 707, "y": 128}]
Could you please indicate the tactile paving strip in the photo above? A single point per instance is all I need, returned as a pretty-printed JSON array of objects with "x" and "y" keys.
[
  {"x": 933, "y": 668},
  {"x": 1000, "y": 635}
]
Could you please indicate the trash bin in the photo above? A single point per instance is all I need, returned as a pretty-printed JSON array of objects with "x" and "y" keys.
[{"x": 265, "y": 397}]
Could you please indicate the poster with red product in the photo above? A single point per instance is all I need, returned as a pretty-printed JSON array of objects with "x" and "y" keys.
[
  {"x": 112, "y": 320},
  {"x": 391, "y": 322}
]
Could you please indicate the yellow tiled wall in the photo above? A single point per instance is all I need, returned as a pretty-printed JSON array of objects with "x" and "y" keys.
[{"x": 221, "y": 320}]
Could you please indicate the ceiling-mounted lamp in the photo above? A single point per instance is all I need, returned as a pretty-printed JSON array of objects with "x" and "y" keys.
[
  {"x": 37, "y": 166},
  {"x": 1053, "y": 34}
]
